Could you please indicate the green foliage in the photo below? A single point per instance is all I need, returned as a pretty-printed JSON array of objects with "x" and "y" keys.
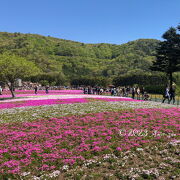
[
  {"x": 94, "y": 81},
  {"x": 13, "y": 67},
  {"x": 44, "y": 82},
  {"x": 176, "y": 78},
  {"x": 75, "y": 60},
  {"x": 155, "y": 89},
  {"x": 52, "y": 78},
  {"x": 140, "y": 79},
  {"x": 178, "y": 90}
]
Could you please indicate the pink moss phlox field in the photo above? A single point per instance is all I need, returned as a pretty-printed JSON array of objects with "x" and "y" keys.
[
  {"x": 25, "y": 103},
  {"x": 21, "y": 93},
  {"x": 41, "y": 102},
  {"x": 48, "y": 144}
]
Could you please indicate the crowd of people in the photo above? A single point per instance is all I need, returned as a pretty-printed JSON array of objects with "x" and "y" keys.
[
  {"x": 119, "y": 91},
  {"x": 36, "y": 88},
  {"x": 134, "y": 92}
]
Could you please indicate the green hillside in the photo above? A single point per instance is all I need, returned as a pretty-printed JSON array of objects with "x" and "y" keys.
[{"x": 74, "y": 59}]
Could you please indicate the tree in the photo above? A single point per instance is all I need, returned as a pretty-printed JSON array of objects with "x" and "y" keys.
[
  {"x": 168, "y": 54},
  {"x": 13, "y": 67}
]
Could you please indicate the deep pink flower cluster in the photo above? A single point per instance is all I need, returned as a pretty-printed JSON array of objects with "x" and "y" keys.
[
  {"x": 41, "y": 102},
  {"x": 4, "y": 105},
  {"x": 48, "y": 144},
  {"x": 21, "y": 93}
]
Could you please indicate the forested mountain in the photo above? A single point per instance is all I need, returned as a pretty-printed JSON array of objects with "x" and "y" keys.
[{"x": 71, "y": 59}]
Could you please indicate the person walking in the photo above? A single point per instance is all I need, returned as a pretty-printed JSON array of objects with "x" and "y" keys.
[
  {"x": 142, "y": 92},
  {"x": 138, "y": 93},
  {"x": 127, "y": 91},
  {"x": 112, "y": 92},
  {"x": 1, "y": 90},
  {"x": 84, "y": 90},
  {"x": 101, "y": 91},
  {"x": 47, "y": 89},
  {"x": 35, "y": 89},
  {"x": 166, "y": 95},
  {"x": 133, "y": 92},
  {"x": 89, "y": 90},
  {"x": 123, "y": 92},
  {"x": 172, "y": 94}
]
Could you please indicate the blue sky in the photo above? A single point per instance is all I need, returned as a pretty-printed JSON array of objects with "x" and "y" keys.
[{"x": 90, "y": 21}]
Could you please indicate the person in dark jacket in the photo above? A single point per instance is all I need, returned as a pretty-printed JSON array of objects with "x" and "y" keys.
[
  {"x": 133, "y": 92},
  {"x": 47, "y": 89},
  {"x": 35, "y": 89},
  {"x": 172, "y": 94},
  {"x": 166, "y": 94}
]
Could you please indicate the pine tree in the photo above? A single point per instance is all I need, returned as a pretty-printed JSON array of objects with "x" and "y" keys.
[{"x": 168, "y": 54}]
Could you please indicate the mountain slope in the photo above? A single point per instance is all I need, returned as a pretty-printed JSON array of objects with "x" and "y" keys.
[{"x": 75, "y": 59}]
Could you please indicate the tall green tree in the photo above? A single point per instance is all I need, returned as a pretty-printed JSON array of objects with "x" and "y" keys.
[
  {"x": 168, "y": 54},
  {"x": 13, "y": 67}
]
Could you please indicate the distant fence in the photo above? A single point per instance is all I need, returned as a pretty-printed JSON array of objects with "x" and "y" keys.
[
  {"x": 159, "y": 98},
  {"x": 152, "y": 97}
]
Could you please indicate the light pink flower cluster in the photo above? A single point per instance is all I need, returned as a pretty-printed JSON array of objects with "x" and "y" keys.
[{"x": 48, "y": 144}]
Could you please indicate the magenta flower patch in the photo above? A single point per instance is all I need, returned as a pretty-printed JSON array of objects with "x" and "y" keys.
[
  {"x": 48, "y": 144},
  {"x": 41, "y": 102}
]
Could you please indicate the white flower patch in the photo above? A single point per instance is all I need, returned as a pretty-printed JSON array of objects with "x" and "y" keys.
[
  {"x": 65, "y": 167},
  {"x": 25, "y": 173},
  {"x": 140, "y": 149},
  {"x": 89, "y": 162},
  {"x": 54, "y": 174},
  {"x": 108, "y": 156}
]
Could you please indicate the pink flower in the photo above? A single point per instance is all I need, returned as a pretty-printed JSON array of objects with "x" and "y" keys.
[
  {"x": 69, "y": 161},
  {"x": 108, "y": 138},
  {"x": 119, "y": 149},
  {"x": 96, "y": 148}
]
